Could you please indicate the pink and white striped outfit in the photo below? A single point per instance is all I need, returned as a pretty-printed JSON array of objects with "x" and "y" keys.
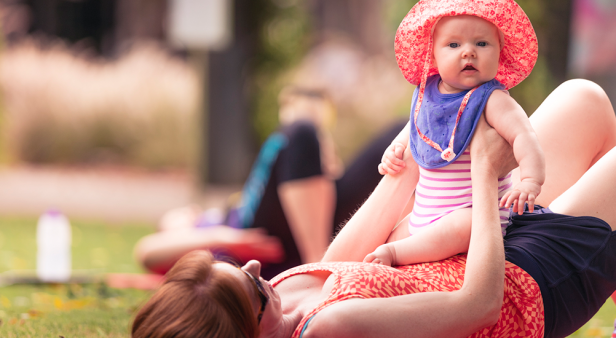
[
  {"x": 440, "y": 191},
  {"x": 446, "y": 121}
]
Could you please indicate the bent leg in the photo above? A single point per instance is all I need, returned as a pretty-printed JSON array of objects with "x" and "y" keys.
[
  {"x": 576, "y": 126},
  {"x": 447, "y": 237},
  {"x": 594, "y": 194}
]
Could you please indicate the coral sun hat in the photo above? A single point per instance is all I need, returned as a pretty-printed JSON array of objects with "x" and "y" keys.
[{"x": 413, "y": 46}]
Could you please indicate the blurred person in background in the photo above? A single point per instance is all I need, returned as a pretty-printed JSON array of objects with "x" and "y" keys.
[{"x": 296, "y": 196}]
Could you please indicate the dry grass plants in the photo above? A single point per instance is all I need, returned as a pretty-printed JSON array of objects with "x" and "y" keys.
[{"x": 63, "y": 108}]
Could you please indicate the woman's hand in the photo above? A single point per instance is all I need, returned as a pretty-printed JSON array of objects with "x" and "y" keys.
[{"x": 489, "y": 151}]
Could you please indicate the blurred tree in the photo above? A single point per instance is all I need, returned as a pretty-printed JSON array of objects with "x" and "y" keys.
[
  {"x": 285, "y": 36},
  {"x": 229, "y": 136},
  {"x": 139, "y": 20},
  {"x": 552, "y": 21},
  {"x": 358, "y": 19},
  {"x": 556, "y": 29},
  {"x": 89, "y": 22}
]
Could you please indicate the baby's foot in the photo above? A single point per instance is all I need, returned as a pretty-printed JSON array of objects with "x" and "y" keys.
[{"x": 382, "y": 255}]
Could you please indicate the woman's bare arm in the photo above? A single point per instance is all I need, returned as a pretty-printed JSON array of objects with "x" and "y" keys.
[
  {"x": 441, "y": 314},
  {"x": 373, "y": 222}
]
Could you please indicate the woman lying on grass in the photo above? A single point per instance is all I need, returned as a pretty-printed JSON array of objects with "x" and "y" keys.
[{"x": 551, "y": 275}]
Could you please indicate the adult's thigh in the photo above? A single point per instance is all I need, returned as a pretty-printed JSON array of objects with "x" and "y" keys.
[{"x": 575, "y": 126}]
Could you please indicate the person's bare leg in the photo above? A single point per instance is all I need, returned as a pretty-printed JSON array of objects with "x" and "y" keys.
[
  {"x": 576, "y": 126},
  {"x": 594, "y": 194},
  {"x": 447, "y": 237}
]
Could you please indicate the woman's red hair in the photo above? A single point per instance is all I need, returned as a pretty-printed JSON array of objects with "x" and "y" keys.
[{"x": 197, "y": 301}]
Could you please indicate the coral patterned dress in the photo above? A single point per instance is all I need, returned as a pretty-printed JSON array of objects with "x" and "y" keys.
[{"x": 521, "y": 313}]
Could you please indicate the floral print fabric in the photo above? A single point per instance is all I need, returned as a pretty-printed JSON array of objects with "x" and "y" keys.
[{"x": 521, "y": 313}]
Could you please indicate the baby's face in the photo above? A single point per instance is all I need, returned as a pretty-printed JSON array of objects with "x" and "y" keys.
[{"x": 466, "y": 52}]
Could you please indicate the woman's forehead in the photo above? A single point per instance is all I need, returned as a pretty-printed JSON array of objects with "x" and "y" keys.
[
  {"x": 224, "y": 266},
  {"x": 235, "y": 272}
]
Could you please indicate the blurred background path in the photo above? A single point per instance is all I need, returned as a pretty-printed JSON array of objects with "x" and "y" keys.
[{"x": 116, "y": 195}]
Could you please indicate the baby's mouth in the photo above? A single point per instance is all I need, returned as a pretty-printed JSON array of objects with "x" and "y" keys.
[{"x": 469, "y": 67}]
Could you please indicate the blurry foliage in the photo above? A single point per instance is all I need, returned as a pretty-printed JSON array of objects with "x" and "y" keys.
[
  {"x": 283, "y": 40},
  {"x": 539, "y": 84},
  {"x": 62, "y": 108},
  {"x": 395, "y": 11}
]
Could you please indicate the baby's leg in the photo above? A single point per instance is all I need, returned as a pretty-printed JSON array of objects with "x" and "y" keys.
[{"x": 448, "y": 236}]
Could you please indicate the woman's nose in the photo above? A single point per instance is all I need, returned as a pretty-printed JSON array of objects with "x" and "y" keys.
[{"x": 253, "y": 267}]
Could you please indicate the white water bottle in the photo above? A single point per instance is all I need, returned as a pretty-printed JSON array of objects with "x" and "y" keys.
[{"x": 53, "y": 238}]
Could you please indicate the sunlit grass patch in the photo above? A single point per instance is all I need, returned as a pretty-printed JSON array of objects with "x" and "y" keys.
[
  {"x": 67, "y": 310},
  {"x": 70, "y": 310}
]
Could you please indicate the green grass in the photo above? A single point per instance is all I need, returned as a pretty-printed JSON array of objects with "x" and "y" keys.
[
  {"x": 601, "y": 325},
  {"x": 95, "y": 310},
  {"x": 70, "y": 310}
]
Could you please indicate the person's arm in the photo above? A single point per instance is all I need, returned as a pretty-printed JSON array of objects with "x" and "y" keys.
[
  {"x": 157, "y": 252},
  {"x": 308, "y": 205},
  {"x": 440, "y": 314},
  {"x": 392, "y": 161},
  {"x": 510, "y": 121},
  {"x": 372, "y": 224}
]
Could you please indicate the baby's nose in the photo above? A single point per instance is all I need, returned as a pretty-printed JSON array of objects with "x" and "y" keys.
[{"x": 468, "y": 52}]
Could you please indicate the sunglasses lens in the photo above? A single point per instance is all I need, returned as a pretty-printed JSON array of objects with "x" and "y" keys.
[{"x": 260, "y": 291}]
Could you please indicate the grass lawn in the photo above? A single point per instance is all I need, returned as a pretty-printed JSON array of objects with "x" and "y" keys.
[
  {"x": 95, "y": 310},
  {"x": 71, "y": 310}
]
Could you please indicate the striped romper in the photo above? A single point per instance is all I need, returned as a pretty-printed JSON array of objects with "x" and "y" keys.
[
  {"x": 443, "y": 190},
  {"x": 446, "y": 186}
]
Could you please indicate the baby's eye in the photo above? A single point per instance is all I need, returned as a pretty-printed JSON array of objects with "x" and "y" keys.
[
  {"x": 453, "y": 45},
  {"x": 482, "y": 44}
]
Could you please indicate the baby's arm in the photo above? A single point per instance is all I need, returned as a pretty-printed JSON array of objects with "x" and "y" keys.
[
  {"x": 510, "y": 121},
  {"x": 392, "y": 162},
  {"x": 448, "y": 236}
]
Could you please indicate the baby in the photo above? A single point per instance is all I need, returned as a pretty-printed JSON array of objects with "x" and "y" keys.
[{"x": 474, "y": 56}]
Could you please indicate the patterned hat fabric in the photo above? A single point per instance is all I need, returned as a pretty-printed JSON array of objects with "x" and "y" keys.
[{"x": 413, "y": 44}]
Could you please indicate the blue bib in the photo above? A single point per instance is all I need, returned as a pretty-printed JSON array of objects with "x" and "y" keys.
[{"x": 437, "y": 119}]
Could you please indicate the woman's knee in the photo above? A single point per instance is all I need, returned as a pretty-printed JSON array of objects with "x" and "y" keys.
[
  {"x": 584, "y": 104},
  {"x": 583, "y": 87},
  {"x": 590, "y": 95}
]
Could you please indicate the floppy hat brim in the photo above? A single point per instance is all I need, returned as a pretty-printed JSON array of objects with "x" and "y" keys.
[{"x": 518, "y": 55}]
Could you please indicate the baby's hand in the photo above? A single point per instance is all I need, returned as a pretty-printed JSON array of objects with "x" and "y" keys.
[
  {"x": 524, "y": 192},
  {"x": 382, "y": 255},
  {"x": 392, "y": 162}
]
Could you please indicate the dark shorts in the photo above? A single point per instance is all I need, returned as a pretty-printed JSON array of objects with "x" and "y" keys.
[{"x": 573, "y": 259}]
